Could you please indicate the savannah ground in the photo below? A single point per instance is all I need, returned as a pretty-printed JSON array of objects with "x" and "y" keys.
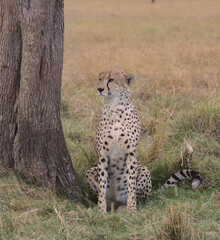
[{"x": 173, "y": 49}]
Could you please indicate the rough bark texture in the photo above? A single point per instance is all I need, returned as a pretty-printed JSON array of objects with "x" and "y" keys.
[{"x": 31, "y": 136}]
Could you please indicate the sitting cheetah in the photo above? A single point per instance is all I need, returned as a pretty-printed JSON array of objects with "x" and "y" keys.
[{"x": 118, "y": 179}]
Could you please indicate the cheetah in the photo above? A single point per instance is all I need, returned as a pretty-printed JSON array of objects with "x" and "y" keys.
[{"x": 118, "y": 179}]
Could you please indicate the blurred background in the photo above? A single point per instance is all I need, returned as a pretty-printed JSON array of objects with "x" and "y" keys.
[{"x": 173, "y": 49}]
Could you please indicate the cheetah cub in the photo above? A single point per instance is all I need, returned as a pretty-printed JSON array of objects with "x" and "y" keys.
[{"x": 118, "y": 179}]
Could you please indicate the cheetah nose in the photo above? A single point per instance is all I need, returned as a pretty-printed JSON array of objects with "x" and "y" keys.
[{"x": 100, "y": 89}]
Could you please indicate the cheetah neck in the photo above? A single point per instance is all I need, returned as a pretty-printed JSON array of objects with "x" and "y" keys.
[{"x": 116, "y": 106}]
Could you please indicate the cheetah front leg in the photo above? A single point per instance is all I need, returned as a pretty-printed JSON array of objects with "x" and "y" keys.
[
  {"x": 131, "y": 178},
  {"x": 102, "y": 180}
]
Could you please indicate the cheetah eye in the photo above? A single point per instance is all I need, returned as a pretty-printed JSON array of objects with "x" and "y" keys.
[
  {"x": 111, "y": 79},
  {"x": 100, "y": 79}
]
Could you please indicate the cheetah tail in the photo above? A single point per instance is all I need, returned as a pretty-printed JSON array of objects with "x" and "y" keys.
[{"x": 182, "y": 175}]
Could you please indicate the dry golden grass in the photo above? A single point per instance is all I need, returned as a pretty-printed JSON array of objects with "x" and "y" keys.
[
  {"x": 177, "y": 225},
  {"x": 173, "y": 49}
]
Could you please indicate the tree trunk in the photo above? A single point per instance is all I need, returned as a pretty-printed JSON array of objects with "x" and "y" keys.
[{"x": 31, "y": 136}]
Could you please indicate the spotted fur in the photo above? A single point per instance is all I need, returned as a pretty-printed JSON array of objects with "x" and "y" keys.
[{"x": 118, "y": 179}]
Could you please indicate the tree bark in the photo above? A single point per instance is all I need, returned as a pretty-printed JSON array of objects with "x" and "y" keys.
[{"x": 31, "y": 136}]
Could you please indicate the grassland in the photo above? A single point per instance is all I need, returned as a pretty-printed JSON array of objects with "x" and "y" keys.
[{"x": 173, "y": 49}]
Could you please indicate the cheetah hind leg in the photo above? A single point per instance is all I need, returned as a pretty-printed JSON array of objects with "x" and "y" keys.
[
  {"x": 92, "y": 181},
  {"x": 144, "y": 185},
  {"x": 93, "y": 185}
]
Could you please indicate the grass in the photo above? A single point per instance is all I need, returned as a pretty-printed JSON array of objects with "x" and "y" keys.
[
  {"x": 30, "y": 212},
  {"x": 173, "y": 49}
]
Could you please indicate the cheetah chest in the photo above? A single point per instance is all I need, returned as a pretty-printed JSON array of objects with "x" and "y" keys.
[
  {"x": 117, "y": 174},
  {"x": 117, "y": 142}
]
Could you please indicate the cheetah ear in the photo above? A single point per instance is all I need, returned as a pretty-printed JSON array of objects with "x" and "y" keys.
[
  {"x": 129, "y": 78},
  {"x": 100, "y": 74}
]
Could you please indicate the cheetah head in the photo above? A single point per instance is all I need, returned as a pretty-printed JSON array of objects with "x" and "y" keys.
[{"x": 114, "y": 84}]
